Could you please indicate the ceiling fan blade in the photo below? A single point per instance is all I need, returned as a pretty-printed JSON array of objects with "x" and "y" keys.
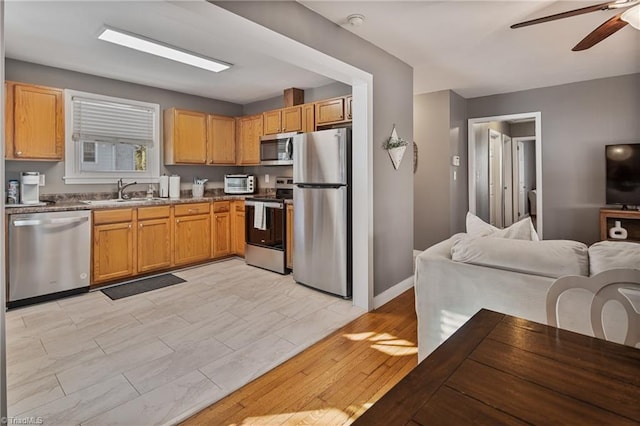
[
  {"x": 583, "y": 10},
  {"x": 603, "y": 31}
]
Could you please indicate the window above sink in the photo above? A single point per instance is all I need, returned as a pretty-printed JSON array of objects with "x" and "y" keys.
[{"x": 108, "y": 138}]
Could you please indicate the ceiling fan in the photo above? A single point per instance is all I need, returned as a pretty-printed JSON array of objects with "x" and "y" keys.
[{"x": 630, "y": 16}]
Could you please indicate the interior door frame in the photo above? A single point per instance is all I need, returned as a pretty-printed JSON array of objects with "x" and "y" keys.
[{"x": 537, "y": 117}]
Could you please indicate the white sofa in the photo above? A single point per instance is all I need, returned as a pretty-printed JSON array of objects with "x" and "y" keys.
[{"x": 459, "y": 276}]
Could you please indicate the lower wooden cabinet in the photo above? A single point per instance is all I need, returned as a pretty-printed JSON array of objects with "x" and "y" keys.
[
  {"x": 192, "y": 236},
  {"x": 128, "y": 242},
  {"x": 221, "y": 228},
  {"x": 289, "y": 248},
  {"x": 113, "y": 246},
  {"x": 154, "y": 248},
  {"x": 238, "y": 229}
]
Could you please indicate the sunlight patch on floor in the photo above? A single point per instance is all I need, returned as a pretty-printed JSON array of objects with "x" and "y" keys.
[
  {"x": 386, "y": 343},
  {"x": 334, "y": 415}
]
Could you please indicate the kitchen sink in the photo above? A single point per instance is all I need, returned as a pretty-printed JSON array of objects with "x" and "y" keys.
[{"x": 119, "y": 201}]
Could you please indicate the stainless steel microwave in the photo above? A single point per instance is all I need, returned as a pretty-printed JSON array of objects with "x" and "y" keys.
[
  {"x": 239, "y": 184},
  {"x": 277, "y": 150}
]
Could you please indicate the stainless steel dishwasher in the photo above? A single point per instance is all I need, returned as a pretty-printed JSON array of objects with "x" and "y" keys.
[{"x": 49, "y": 255}]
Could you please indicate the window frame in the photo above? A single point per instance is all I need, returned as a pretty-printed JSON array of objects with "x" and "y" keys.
[{"x": 73, "y": 151}]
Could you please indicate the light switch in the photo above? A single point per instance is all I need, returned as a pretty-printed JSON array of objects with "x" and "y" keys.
[
  {"x": 266, "y": 178},
  {"x": 456, "y": 160},
  {"x": 41, "y": 183}
]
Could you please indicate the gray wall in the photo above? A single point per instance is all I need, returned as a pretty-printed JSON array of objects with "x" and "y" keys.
[
  {"x": 578, "y": 120},
  {"x": 459, "y": 146},
  {"x": 431, "y": 191},
  {"x": 392, "y": 103},
  {"x": 310, "y": 95},
  {"x": 440, "y": 202},
  {"x": 39, "y": 74}
]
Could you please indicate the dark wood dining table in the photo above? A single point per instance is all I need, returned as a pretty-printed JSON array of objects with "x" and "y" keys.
[{"x": 500, "y": 369}]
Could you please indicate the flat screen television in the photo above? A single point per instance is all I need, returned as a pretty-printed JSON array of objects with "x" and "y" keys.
[{"x": 623, "y": 174}]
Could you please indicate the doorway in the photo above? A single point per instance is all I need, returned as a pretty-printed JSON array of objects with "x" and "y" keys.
[{"x": 505, "y": 169}]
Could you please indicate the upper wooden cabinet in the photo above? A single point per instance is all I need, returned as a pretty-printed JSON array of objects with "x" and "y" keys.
[
  {"x": 192, "y": 137},
  {"x": 292, "y": 119},
  {"x": 249, "y": 132},
  {"x": 34, "y": 121},
  {"x": 185, "y": 137},
  {"x": 330, "y": 111},
  {"x": 221, "y": 139},
  {"x": 348, "y": 103},
  {"x": 308, "y": 118},
  {"x": 283, "y": 120}
]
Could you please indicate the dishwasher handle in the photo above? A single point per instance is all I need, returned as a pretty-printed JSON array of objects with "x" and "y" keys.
[{"x": 55, "y": 221}]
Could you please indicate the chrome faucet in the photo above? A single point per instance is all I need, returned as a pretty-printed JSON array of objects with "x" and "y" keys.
[{"x": 121, "y": 187}]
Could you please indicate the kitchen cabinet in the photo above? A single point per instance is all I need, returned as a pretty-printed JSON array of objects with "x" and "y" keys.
[
  {"x": 113, "y": 245},
  {"x": 34, "y": 120},
  {"x": 292, "y": 119},
  {"x": 308, "y": 118},
  {"x": 185, "y": 137},
  {"x": 154, "y": 246},
  {"x": 282, "y": 120},
  {"x": 289, "y": 249},
  {"x": 237, "y": 228},
  {"x": 330, "y": 111},
  {"x": 249, "y": 133},
  {"x": 221, "y": 139},
  {"x": 192, "y": 233},
  {"x": 221, "y": 228}
]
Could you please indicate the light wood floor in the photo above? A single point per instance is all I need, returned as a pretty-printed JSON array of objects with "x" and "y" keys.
[{"x": 332, "y": 382}]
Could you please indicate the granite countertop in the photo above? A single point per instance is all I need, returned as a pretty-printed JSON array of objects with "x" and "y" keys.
[{"x": 75, "y": 204}]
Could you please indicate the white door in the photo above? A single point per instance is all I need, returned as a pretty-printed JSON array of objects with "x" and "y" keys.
[
  {"x": 507, "y": 189},
  {"x": 522, "y": 189},
  {"x": 495, "y": 178}
]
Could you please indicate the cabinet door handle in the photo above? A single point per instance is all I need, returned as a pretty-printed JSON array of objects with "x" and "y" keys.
[
  {"x": 18, "y": 153},
  {"x": 177, "y": 220},
  {"x": 129, "y": 226},
  {"x": 140, "y": 225}
]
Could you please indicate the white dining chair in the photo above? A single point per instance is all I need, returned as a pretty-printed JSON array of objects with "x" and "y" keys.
[{"x": 621, "y": 285}]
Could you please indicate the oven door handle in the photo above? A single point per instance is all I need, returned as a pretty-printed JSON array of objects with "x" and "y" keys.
[{"x": 267, "y": 205}]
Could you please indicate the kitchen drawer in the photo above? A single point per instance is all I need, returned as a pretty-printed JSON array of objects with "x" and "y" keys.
[
  {"x": 188, "y": 209},
  {"x": 238, "y": 206},
  {"x": 157, "y": 212},
  {"x": 221, "y": 206},
  {"x": 101, "y": 217}
]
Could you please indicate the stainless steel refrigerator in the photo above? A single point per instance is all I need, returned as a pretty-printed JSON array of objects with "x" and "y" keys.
[{"x": 322, "y": 210}]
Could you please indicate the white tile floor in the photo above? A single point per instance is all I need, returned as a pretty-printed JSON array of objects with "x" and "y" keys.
[{"x": 157, "y": 357}]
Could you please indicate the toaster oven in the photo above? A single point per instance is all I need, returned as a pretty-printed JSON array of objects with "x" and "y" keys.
[{"x": 239, "y": 184}]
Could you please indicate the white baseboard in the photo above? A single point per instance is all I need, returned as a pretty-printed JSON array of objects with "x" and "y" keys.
[{"x": 393, "y": 292}]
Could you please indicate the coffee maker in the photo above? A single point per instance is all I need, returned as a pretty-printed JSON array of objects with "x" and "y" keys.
[{"x": 29, "y": 187}]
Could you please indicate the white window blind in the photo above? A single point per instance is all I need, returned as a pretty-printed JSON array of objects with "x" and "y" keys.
[
  {"x": 102, "y": 121},
  {"x": 108, "y": 138}
]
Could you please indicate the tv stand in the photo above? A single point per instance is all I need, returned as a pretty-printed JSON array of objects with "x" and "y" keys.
[{"x": 629, "y": 220}]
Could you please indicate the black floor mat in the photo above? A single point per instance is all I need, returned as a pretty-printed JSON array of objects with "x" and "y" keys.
[{"x": 141, "y": 286}]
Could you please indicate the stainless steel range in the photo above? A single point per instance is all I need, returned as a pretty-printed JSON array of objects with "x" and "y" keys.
[{"x": 265, "y": 225}]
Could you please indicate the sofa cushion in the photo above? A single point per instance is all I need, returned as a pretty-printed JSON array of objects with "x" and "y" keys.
[
  {"x": 549, "y": 258},
  {"x": 607, "y": 255},
  {"x": 521, "y": 230}
]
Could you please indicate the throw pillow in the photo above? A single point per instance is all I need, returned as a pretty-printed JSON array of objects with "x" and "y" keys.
[
  {"x": 521, "y": 230},
  {"x": 607, "y": 255}
]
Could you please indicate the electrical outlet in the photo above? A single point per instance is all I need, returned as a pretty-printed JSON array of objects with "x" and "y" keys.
[
  {"x": 266, "y": 178},
  {"x": 41, "y": 183}
]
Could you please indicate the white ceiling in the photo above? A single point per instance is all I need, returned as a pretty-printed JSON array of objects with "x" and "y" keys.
[
  {"x": 63, "y": 34},
  {"x": 466, "y": 46}
]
